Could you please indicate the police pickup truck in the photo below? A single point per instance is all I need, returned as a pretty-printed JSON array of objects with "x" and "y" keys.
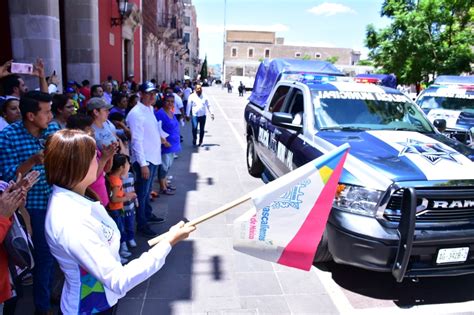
[
  {"x": 449, "y": 104},
  {"x": 405, "y": 201}
]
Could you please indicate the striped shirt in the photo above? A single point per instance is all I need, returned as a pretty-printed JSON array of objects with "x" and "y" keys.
[{"x": 127, "y": 186}]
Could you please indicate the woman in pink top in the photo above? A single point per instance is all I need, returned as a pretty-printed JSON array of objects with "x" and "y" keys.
[{"x": 104, "y": 155}]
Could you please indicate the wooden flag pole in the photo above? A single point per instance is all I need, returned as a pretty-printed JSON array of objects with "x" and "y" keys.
[{"x": 205, "y": 217}]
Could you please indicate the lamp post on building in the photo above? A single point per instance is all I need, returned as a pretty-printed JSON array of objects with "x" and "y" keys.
[
  {"x": 223, "y": 46},
  {"x": 123, "y": 8}
]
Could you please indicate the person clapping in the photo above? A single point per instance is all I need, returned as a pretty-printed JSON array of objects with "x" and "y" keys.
[{"x": 84, "y": 238}]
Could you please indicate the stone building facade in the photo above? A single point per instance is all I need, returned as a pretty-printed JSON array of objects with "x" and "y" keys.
[
  {"x": 165, "y": 49},
  {"x": 244, "y": 50},
  {"x": 76, "y": 39},
  {"x": 88, "y": 39},
  {"x": 192, "y": 62}
]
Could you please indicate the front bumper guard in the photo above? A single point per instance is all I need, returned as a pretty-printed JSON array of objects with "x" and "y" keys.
[{"x": 406, "y": 232}]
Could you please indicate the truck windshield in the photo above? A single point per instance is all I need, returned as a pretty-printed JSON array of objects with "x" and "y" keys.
[
  {"x": 363, "y": 114},
  {"x": 436, "y": 102}
]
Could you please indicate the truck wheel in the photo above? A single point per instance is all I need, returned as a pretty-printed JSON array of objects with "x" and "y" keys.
[
  {"x": 322, "y": 253},
  {"x": 254, "y": 165}
]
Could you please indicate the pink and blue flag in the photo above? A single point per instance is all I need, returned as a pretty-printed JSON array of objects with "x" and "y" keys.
[{"x": 291, "y": 212}]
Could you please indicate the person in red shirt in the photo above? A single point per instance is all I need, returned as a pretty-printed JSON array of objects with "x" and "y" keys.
[
  {"x": 85, "y": 90},
  {"x": 12, "y": 196}
]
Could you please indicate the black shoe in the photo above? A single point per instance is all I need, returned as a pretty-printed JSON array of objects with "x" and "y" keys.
[
  {"x": 194, "y": 143},
  {"x": 146, "y": 231},
  {"x": 155, "y": 219}
]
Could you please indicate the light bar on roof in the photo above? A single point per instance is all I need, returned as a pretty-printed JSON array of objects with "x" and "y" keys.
[{"x": 367, "y": 80}]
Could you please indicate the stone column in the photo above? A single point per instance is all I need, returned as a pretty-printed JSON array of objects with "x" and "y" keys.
[
  {"x": 82, "y": 40},
  {"x": 35, "y": 34}
]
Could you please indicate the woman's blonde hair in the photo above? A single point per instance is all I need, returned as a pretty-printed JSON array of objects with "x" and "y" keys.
[{"x": 68, "y": 156}]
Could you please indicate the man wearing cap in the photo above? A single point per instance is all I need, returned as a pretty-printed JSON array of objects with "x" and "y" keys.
[
  {"x": 131, "y": 85},
  {"x": 104, "y": 130},
  {"x": 147, "y": 136},
  {"x": 21, "y": 150}
]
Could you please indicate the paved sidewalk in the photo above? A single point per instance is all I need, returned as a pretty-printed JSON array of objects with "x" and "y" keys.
[{"x": 204, "y": 275}]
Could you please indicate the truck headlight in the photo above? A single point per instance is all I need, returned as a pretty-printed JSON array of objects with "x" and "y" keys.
[{"x": 356, "y": 199}]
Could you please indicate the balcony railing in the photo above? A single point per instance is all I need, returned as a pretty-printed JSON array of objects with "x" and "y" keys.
[{"x": 166, "y": 20}]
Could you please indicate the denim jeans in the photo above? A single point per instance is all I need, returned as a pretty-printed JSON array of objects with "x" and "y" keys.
[
  {"x": 44, "y": 261},
  {"x": 143, "y": 190},
  {"x": 166, "y": 162},
  {"x": 116, "y": 215},
  {"x": 129, "y": 226},
  {"x": 195, "y": 120}
]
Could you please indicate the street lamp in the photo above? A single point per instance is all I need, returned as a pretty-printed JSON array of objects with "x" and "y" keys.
[
  {"x": 223, "y": 45},
  {"x": 122, "y": 8}
]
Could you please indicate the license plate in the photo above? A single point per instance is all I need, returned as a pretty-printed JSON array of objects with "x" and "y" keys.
[{"x": 452, "y": 255}]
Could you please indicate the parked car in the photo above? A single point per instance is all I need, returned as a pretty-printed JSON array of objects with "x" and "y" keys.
[{"x": 450, "y": 102}]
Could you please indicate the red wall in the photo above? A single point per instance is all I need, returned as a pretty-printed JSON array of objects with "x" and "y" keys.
[{"x": 111, "y": 56}]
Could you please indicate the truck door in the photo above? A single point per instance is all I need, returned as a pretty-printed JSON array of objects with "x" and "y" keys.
[
  {"x": 265, "y": 137},
  {"x": 289, "y": 144}
]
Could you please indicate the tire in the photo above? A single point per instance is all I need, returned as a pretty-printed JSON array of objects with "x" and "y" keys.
[
  {"x": 254, "y": 165},
  {"x": 322, "y": 253}
]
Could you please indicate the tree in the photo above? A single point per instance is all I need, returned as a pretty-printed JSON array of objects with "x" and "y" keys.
[
  {"x": 306, "y": 57},
  {"x": 204, "y": 69},
  {"x": 426, "y": 38},
  {"x": 332, "y": 59},
  {"x": 365, "y": 62}
]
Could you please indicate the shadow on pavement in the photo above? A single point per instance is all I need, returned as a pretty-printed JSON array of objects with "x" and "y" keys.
[
  {"x": 173, "y": 283},
  {"x": 378, "y": 285}
]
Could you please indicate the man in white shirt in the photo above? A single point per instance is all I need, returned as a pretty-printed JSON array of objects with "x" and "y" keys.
[
  {"x": 198, "y": 105},
  {"x": 108, "y": 87},
  {"x": 147, "y": 137}
]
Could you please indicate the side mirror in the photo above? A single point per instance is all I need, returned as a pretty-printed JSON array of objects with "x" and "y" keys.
[
  {"x": 285, "y": 120},
  {"x": 440, "y": 124}
]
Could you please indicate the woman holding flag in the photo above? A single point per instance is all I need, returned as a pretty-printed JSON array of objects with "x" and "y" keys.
[{"x": 83, "y": 238}]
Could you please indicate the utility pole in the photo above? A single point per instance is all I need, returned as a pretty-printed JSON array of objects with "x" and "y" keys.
[{"x": 223, "y": 45}]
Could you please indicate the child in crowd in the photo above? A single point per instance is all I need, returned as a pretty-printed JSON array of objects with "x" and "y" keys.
[
  {"x": 129, "y": 210},
  {"x": 120, "y": 167}
]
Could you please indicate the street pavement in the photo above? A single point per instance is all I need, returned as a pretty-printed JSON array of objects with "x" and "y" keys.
[{"x": 204, "y": 275}]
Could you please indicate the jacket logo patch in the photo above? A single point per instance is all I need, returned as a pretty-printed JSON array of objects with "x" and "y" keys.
[
  {"x": 107, "y": 231},
  {"x": 432, "y": 152}
]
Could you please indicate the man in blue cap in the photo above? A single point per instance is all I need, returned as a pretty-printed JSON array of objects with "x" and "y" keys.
[{"x": 146, "y": 154}]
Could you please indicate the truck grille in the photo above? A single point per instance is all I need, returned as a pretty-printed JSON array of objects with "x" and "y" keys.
[{"x": 436, "y": 205}]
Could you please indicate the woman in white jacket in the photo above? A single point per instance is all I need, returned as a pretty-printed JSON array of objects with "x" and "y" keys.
[{"x": 83, "y": 238}]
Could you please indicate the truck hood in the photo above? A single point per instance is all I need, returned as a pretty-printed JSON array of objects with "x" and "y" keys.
[{"x": 401, "y": 156}]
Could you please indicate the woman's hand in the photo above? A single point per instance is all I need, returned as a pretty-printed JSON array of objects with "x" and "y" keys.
[
  {"x": 10, "y": 200},
  {"x": 28, "y": 181},
  {"x": 4, "y": 69},
  {"x": 179, "y": 232},
  {"x": 108, "y": 151},
  {"x": 130, "y": 195}
]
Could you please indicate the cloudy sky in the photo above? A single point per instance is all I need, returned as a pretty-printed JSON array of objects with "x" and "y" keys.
[{"x": 300, "y": 22}]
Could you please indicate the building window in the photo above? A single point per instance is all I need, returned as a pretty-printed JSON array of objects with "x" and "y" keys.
[
  {"x": 297, "y": 54},
  {"x": 234, "y": 52},
  {"x": 187, "y": 21},
  {"x": 239, "y": 71},
  {"x": 267, "y": 53},
  {"x": 317, "y": 55},
  {"x": 186, "y": 37},
  {"x": 250, "y": 54}
]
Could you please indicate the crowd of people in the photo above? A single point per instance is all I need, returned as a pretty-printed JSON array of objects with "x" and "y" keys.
[{"x": 81, "y": 164}]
